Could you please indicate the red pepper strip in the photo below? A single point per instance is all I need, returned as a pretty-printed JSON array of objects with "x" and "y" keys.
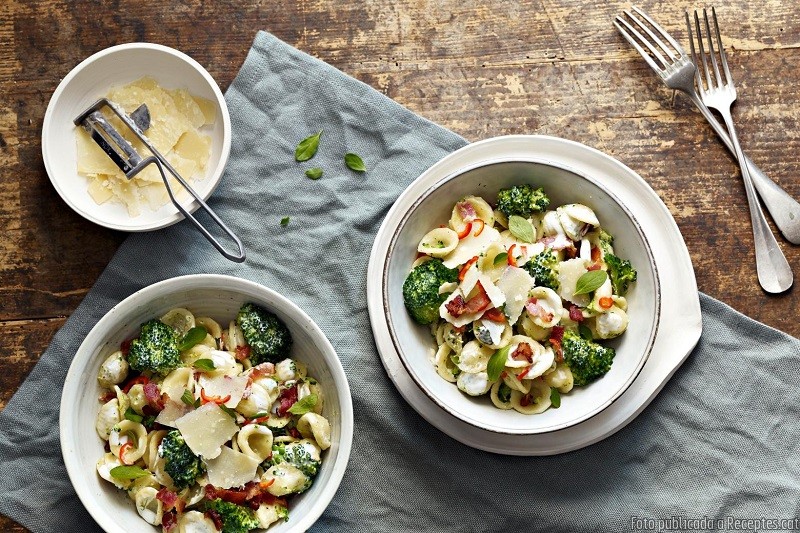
[
  {"x": 122, "y": 450},
  {"x": 495, "y": 315},
  {"x": 594, "y": 266},
  {"x": 463, "y": 271},
  {"x": 466, "y": 231},
  {"x": 524, "y": 373},
  {"x": 216, "y": 399},
  {"x": 479, "y": 230},
  {"x": 606, "y": 302},
  {"x": 135, "y": 381},
  {"x": 512, "y": 261},
  {"x": 525, "y": 401},
  {"x": 266, "y": 484},
  {"x": 257, "y": 420}
]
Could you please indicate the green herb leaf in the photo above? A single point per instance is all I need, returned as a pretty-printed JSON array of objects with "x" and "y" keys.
[
  {"x": 303, "y": 406},
  {"x": 285, "y": 221},
  {"x": 555, "y": 398},
  {"x": 314, "y": 173},
  {"x": 585, "y": 332},
  {"x": 188, "y": 399},
  {"x": 497, "y": 363},
  {"x": 500, "y": 259},
  {"x": 148, "y": 421},
  {"x": 230, "y": 412},
  {"x": 206, "y": 365},
  {"x": 590, "y": 281},
  {"x": 128, "y": 472},
  {"x": 521, "y": 228},
  {"x": 133, "y": 416},
  {"x": 193, "y": 337},
  {"x": 354, "y": 162},
  {"x": 307, "y": 147}
]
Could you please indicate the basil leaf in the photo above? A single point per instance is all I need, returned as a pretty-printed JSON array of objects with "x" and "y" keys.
[
  {"x": 284, "y": 221},
  {"x": 354, "y": 162},
  {"x": 133, "y": 416},
  {"x": 148, "y": 421},
  {"x": 555, "y": 398},
  {"x": 206, "y": 365},
  {"x": 521, "y": 228},
  {"x": 307, "y": 147},
  {"x": 188, "y": 399},
  {"x": 230, "y": 412},
  {"x": 128, "y": 472},
  {"x": 314, "y": 173},
  {"x": 500, "y": 259},
  {"x": 590, "y": 281},
  {"x": 303, "y": 406},
  {"x": 497, "y": 363},
  {"x": 193, "y": 337},
  {"x": 585, "y": 332}
]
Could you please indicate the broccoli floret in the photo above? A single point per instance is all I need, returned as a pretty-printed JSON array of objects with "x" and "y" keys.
[
  {"x": 421, "y": 290},
  {"x": 179, "y": 462},
  {"x": 283, "y": 512},
  {"x": 585, "y": 358},
  {"x": 621, "y": 273},
  {"x": 156, "y": 349},
  {"x": 522, "y": 200},
  {"x": 606, "y": 242},
  {"x": 297, "y": 455},
  {"x": 268, "y": 337},
  {"x": 235, "y": 518},
  {"x": 542, "y": 268}
]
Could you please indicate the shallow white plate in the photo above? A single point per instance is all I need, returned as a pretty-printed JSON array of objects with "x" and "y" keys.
[
  {"x": 92, "y": 79},
  {"x": 679, "y": 318}
]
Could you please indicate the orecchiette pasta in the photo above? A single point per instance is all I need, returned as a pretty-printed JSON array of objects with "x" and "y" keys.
[
  {"x": 220, "y": 417},
  {"x": 516, "y": 297}
]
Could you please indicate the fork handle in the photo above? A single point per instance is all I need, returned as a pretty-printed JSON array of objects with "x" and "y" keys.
[
  {"x": 774, "y": 273},
  {"x": 784, "y": 209}
]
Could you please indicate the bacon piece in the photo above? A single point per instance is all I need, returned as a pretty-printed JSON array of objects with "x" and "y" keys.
[
  {"x": 556, "y": 336},
  {"x": 170, "y": 500},
  {"x": 479, "y": 302},
  {"x": 525, "y": 401},
  {"x": 153, "y": 396},
  {"x": 134, "y": 381},
  {"x": 594, "y": 266},
  {"x": 466, "y": 211},
  {"x": 575, "y": 313},
  {"x": 252, "y": 494},
  {"x": 456, "y": 306},
  {"x": 242, "y": 353},
  {"x": 125, "y": 346},
  {"x": 264, "y": 369},
  {"x": 294, "y": 432},
  {"x": 596, "y": 254},
  {"x": 215, "y": 517},
  {"x": 169, "y": 520},
  {"x": 107, "y": 396},
  {"x": 523, "y": 350},
  {"x": 287, "y": 399},
  {"x": 495, "y": 315}
]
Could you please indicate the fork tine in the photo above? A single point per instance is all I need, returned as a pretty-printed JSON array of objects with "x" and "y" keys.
[
  {"x": 629, "y": 34},
  {"x": 702, "y": 53},
  {"x": 662, "y": 31},
  {"x": 653, "y": 37},
  {"x": 723, "y": 58},
  {"x": 711, "y": 50},
  {"x": 697, "y": 77}
]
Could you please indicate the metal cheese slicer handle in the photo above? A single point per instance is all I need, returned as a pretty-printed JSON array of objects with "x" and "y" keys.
[{"x": 131, "y": 163}]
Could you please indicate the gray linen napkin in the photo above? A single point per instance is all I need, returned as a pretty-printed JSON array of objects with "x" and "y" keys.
[{"x": 719, "y": 441}]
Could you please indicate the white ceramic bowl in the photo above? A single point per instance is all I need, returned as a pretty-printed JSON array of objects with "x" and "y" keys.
[
  {"x": 219, "y": 297},
  {"x": 563, "y": 185},
  {"x": 92, "y": 79}
]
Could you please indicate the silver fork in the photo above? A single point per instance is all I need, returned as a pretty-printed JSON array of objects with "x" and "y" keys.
[
  {"x": 677, "y": 71},
  {"x": 774, "y": 272}
]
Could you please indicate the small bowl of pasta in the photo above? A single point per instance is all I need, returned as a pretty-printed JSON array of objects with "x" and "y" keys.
[
  {"x": 521, "y": 296},
  {"x": 206, "y": 403}
]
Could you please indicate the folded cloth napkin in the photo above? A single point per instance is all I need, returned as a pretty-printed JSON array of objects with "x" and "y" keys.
[{"x": 719, "y": 441}]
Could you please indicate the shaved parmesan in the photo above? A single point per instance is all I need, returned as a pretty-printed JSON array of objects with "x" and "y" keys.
[
  {"x": 223, "y": 385},
  {"x": 515, "y": 283},
  {"x": 470, "y": 279},
  {"x": 172, "y": 411},
  {"x": 175, "y": 119},
  {"x": 206, "y": 429},
  {"x": 231, "y": 469},
  {"x": 470, "y": 246},
  {"x": 495, "y": 295}
]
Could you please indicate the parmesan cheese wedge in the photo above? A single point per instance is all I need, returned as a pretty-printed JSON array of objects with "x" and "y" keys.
[
  {"x": 222, "y": 386},
  {"x": 206, "y": 429},
  {"x": 231, "y": 469},
  {"x": 470, "y": 246},
  {"x": 515, "y": 284},
  {"x": 172, "y": 411}
]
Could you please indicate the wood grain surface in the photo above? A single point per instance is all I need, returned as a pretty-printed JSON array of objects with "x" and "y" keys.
[{"x": 481, "y": 68}]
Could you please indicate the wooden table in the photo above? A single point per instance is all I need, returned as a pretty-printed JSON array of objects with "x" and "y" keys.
[{"x": 481, "y": 68}]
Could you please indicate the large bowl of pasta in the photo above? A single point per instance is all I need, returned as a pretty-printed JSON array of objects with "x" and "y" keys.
[
  {"x": 520, "y": 294},
  {"x": 206, "y": 403}
]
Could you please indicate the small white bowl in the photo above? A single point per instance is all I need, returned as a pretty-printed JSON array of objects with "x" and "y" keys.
[
  {"x": 219, "y": 297},
  {"x": 91, "y": 80},
  {"x": 563, "y": 185}
]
